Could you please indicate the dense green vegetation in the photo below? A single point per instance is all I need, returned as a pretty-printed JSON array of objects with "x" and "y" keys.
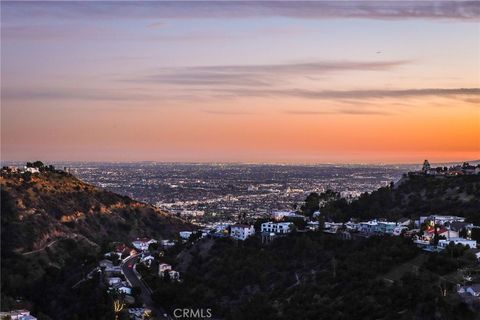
[
  {"x": 415, "y": 195},
  {"x": 43, "y": 282},
  {"x": 309, "y": 276}
]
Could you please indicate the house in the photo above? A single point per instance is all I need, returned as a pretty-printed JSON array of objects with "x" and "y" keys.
[
  {"x": 163, "y": 267},
  {"x": 105, "y": 263},
  {"x": 462, "y": 241},
  {"x": 440, "y": 220},
  {"x": 398, "y": 230},
  {"x": 113, "y": 270},
  {"x": 456, "y": 225},
  {"x": 313, "y": 225},
  {"x": 32, "y": 170},
  {"x": 352, "y": 226},
  {"x": 280, "y": 215},
  {"x": 109, "y": 255},
  {"x": 122, "y": 287},
  {"x": 368, "y": 226},
  {"x": 167, "y": 243},
  {"x": 113, "y": 280},
  {"x": 241, "y": 231},
  {"x": 147, "y": 260},
  {"x": 143, "y": 244},
  {"x": 122, "y": 249},
  {"x": 448, "y": 234},
  {"x": 174, "y": 275},
  {"x": 17, "y": 315},
  {"x": 139, "y": 313},
  {"x": 473, "y": 290},
  {"x": 385, "y": 227},
  {"x": 332, "y": 227},
  {"x": 185, "y": 234},
  {"x": 277, "y": 228},
  {"x": 404, "y": 222}
]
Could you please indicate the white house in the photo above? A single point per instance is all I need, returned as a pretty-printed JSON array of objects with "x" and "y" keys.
[
  {"x": 368, "y": 226},
  {"x": 332, "y": 227},
  {"x": 142, "y": 244},
  {"x": 105, "y": 263},
  {"x": 163, "y": 267},
  {"x": 441, "y": 220},
  {"x": 465, "y": 242},
  {"x": 185, "y": 234},
  {"x": 113, "y": 269},
  {"x": 32, "y": 170},
  {"x": 113, "y": 280},
  {"x": 278, "y": 228},
  {"x": 174, "y": 275},
  {"x": 350, "y": 225},
  {"x": 241, "y": 231},
  {"x": 279, "y": 215},
  {"x": 313, "y": 225},
  {"x": 473, "y": 290},
  {"x": 139, "y": 313},
  {"x": 122, "y": 287},
  {"x": 167, "y": 243},
  {"x": 147, "y": 260},
  {"x": 404, "y": 222}
]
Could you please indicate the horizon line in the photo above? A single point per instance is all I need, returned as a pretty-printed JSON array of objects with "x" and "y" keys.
[{"x": 259, "y": 163}]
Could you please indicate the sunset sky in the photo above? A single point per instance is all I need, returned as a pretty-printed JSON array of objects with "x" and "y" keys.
[{"x": 316, "y": 82}]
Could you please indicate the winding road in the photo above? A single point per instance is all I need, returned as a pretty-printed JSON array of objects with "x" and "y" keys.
[{"x": 133, "y": 278}]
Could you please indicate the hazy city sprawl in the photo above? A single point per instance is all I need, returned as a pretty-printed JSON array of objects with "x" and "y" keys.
[{"x": 219, "y": 192}]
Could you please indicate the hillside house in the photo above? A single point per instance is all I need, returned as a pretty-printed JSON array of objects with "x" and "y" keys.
[
  {"x": 162, "y": 268},
  {"x": 473, "y": 290},
  {"x": 465, "y": 242},
  {"x": 241, "y": 231},
  {"x": 142, "y": 244},
  {"x": 113, "y": 280},
  {"x": 122, "y": 287},
  {"x": 277, "y": 228}
]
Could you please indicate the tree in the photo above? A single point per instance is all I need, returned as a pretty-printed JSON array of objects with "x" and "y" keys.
[
  {"x": 153, "y": 246},
  {"x": 475, "y": 234},
  {"x": 312, "y": 204}
]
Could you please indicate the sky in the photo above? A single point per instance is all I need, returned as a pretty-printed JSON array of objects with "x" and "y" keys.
[{"x": 227, "y": 81}]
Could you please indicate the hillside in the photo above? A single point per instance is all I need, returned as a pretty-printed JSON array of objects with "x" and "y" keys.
[
  {"x": 54, "y": 230},
  {"x": 412, "y": 196},
  {"x": 39, "y": 208}
]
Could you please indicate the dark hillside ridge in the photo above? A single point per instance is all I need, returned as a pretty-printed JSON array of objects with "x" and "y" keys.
[
  {"x": 38, "y": 208},
  {"x": 55, "y": 228},
  {"x": 412, "y": 196}
]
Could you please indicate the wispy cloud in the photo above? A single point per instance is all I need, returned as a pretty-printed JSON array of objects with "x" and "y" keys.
[
  {"x": 357, "y": 111},
  {"x": 259, "y": 75},
  {"x": 156, "y": 25},
  {"x": 71, "y": 94},
  {"x": 359, "y": 94},
  {"x": 226, "y": 112},
  {"x": 451, "y": 10}
]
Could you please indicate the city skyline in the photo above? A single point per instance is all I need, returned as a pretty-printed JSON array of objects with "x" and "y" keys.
[{"x": 270, "y": 82}]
